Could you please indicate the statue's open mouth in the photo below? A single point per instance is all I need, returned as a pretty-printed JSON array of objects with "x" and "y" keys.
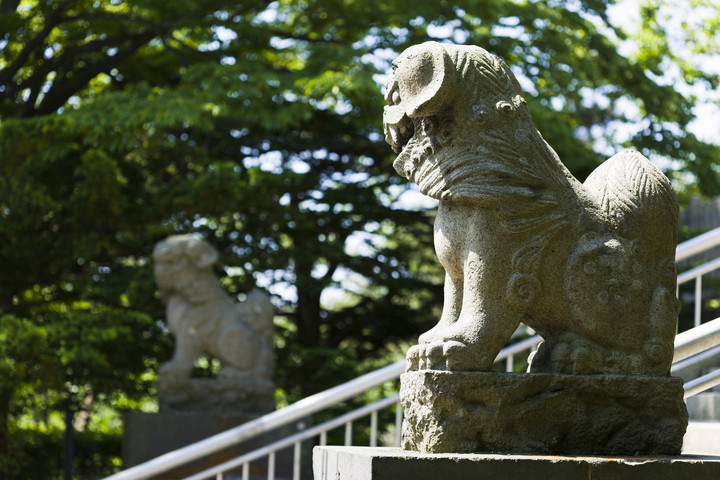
[{"x": 398, "y": 127}]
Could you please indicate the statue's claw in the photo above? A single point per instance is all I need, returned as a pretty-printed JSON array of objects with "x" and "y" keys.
[{"x": 448, "y": 355}]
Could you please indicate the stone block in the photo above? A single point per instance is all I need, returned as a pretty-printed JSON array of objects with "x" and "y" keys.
[
  {"x": 149, "y": 435},
  {"x": 364, "y": 463},
  {"x": 547, "y": 414}
]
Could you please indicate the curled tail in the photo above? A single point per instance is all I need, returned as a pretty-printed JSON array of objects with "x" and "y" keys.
[{"x": 636, "y": 199}]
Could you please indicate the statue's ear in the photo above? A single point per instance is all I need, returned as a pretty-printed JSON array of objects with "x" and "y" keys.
[
  {"x": 426, "y": 79},
  {"x": 201, "y": 253}
]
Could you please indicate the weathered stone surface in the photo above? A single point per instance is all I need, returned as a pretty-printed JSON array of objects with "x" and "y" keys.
[
  {"x": 363, "y": 463},
  {"x": 205, "y": 320},
  {"x": 217, "y": 395},
  {"x": 589, "y": 266},
  {"x": 550, "y": 414}
]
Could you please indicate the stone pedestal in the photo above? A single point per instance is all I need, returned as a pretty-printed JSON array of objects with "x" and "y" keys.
[
  {"x": 218, "y": 395},
  {"x": 193, "y": 409},
  {"x": 364, "y": 463},
  {"x": 148, "y": 435},
  {"x": 546, "y": 414}
]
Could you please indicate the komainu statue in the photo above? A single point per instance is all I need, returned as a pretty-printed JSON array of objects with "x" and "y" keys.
[
  {"x": 205, "y": 320},
  {"x": 589, "y": 266}
]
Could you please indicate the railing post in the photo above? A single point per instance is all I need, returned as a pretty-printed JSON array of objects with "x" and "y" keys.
[
  {"x": 398, "y": 424},
  {"x": 698, "y": 300},
  {"x": 348, "y": 434},
  {"x": 296, "y": 460},
  {"x": 271, "y": 466}
]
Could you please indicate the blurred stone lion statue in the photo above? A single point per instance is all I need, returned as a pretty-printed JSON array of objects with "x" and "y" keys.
[{"x": 205, "y": 320}]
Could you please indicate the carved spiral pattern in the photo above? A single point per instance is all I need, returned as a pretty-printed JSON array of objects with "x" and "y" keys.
[{"x": 523, "y": 287}]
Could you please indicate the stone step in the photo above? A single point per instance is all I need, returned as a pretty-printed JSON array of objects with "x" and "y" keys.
[
  {"x": 368, "y": 463},
  {"x": 702, "y": 438}
]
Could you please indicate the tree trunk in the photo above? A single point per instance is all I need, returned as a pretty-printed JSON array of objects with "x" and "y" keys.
[
  {"x": 308, "y": 323},
  {"x": 5, "y": 453},
  {"x": 308, "y": 317},
  {"x": 69, "y": 444}
]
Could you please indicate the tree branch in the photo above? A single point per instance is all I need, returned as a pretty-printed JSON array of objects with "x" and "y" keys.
[
  {"x": 108, "y": 16},
  {"x": 53, "y": 20},
  {"x": 39, "y": 76},
  {"x": 61, "y": 91}
]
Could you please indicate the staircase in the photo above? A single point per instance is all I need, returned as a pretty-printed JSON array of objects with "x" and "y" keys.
[{"x": 697, "y": 361}]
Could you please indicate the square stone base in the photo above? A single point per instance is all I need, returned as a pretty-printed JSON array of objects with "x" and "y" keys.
[
  {"x": 149, "y": 435},
  {"x": 542, "y": 413},
  {"x": 365, "y": 463},
  {"x": 216, "y": 395}
]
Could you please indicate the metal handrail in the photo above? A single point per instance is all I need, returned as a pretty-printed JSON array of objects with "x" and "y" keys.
[
  {"x": 702, "y": 383},
  {"x": 298, "y": 437},
  {"x": 686, "y": 342},
  {"x": 706, "y": 355},
  {"x": 698, "y": 271},
  {"x": 697, "y": 245},
  {"x": 506, "y": 353},
  {"x": 284, "y": 416},
  {"x": 689, "y": 248},
  {"x": 695, "y": 346},
  {"x": 696, "y": 340}
]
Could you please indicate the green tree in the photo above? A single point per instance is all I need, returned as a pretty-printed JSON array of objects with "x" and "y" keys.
[
  {"x": 259, "y": 127},
  {"x": 678, "y": 43}
]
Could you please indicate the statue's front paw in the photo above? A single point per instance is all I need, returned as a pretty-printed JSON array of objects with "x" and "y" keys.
[
  {"x": 426, "y": 356},
  {"x": 448, "y": 355}
]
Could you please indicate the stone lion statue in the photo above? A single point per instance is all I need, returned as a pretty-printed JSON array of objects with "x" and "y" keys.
[
  {"x": 205, "y": 320},
  {"x": 589, "y": 266}
]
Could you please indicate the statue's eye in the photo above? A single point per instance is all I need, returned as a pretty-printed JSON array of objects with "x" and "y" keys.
[{"x": 395, "y": 97}]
